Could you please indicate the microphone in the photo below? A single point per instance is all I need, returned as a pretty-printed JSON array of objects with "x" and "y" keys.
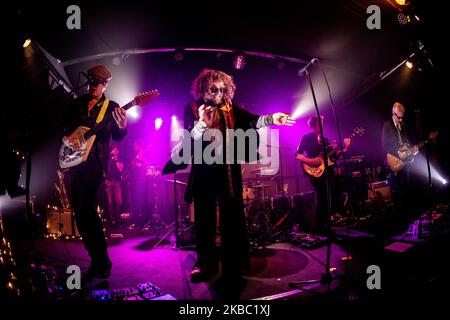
[
  {"x": 88, "y": 79},
  {"x": 305, "y": 68}
]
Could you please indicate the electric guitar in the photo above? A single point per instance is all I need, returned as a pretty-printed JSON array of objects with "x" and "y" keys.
[
  {"x": 317, "y": 171},
  {"x": 405, "y": 154},
  {"x": 70, "y": 156}
]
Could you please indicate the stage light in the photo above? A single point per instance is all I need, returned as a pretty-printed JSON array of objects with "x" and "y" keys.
[
  {"x": 401, "y": 2},
  {"x": 297, "y": 113},
  {"x": 158, "y": 123},
  {"x": 420, "y": 167},
  {"x": 303, "y": 107},
  {"x": 175, "y": 133},
  {"x": 409, "y": 64},
  {"x": 133, "y": 113},
  {"x": 27, "y": 42},
  {"x": 239, "y": 62},
  {"x": 116, "y": 61}
]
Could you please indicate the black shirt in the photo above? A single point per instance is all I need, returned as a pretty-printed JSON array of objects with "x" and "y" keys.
[
  {"x": 391, "y": 137},
  {"x": 310, "y": 147},
  {"x": 113, "y": 171}
]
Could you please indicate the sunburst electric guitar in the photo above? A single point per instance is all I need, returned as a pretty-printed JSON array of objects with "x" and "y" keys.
[
  {"x": 317, "y": 171},
  {"x": 69, "y": 156},
  {"x": 405, "y": 154}
]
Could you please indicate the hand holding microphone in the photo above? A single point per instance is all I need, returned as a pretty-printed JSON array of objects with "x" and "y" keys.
[{"x": 205, "y": 115}]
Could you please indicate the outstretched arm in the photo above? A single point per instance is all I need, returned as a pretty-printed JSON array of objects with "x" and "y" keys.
[{"x": 278, "y": 118}]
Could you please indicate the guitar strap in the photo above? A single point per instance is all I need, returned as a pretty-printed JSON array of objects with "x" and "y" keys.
[{"x": 102, "y": 112}]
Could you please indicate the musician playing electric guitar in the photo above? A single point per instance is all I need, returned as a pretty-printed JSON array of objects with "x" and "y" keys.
[
  {"x": 395, "y": 143},
  {"x": 309, "y": 152},
  {"x": 86, "y": 177}
]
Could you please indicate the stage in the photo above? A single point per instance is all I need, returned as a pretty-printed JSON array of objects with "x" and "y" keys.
[{"x": 410, "y": 268}]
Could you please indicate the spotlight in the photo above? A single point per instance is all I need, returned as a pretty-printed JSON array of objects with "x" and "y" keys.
[
  {"x": 133, "y": 113},
  {"x": 158, "y": 123},
  {"x": 116, "y": 61},
  {"x": 239, "y": 62},
  {"x": 401, "y": 2},
  {"x": 27, "y": 42},
  {"x": 409, "y": 64},
  {"x": 444, "y": 181}
]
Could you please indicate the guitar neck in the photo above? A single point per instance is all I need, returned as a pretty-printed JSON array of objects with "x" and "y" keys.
[
  {"x": 337, "y": 150},
  {"x": 421, "y": 144},
  {"x": 105, "y": 120}
]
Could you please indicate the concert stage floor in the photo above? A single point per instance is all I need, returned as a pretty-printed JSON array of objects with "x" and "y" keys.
[
  {"x": 136, "y": 261},
  {"x": 409, "y": 268}
]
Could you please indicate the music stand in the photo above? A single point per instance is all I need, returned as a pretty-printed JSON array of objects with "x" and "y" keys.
[{"x": 155, "y": 219}]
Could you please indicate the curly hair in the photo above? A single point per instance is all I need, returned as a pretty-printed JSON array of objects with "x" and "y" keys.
[{"x": 206, "y": 78}]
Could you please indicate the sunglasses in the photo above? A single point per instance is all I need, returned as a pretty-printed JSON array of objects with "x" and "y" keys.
[
  {"x": 397, "y": 116},
  {"x": 217, "y": 90},
  {"x": 94, "y": 82}
]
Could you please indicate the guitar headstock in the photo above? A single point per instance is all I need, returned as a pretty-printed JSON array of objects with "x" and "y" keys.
[
  {"x": 146, "y": 97},
  {"x": 358, "y": 131}
]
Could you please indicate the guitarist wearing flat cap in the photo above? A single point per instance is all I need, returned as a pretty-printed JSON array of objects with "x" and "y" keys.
[{"x": 86, "y": 177}]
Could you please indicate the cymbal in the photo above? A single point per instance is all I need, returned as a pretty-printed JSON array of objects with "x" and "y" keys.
[{"x": 260, "y": 186}]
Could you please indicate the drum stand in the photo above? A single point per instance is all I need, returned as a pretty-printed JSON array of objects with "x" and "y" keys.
[
  {"x": 173, "y": 230},
  {"x": 262, "y": 212},
  {"x": 155, "y": 223}
]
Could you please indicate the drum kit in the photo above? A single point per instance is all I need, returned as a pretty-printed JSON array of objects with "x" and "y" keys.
[
  {"x": 267, "y": 215},
  {"x": 156, "y": 188},
  {"x": 179, "y": 231}
]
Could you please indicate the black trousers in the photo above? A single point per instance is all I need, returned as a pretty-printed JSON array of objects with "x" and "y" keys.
[
  {"x": 212, "y": 190},
  {"x": 403, "y": 196},
  {"x": 320, "y": 187},
  {"x": 85, "y": 180}
]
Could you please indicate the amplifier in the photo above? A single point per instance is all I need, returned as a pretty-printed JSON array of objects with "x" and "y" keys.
[
  {"x": 61, "y": 222},
  {"x": 379, "y": 190}
]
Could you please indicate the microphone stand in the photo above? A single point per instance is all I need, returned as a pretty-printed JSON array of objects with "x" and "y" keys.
[
  {"x": 77, "y": 88},
  {"x": 326, "y": 277},
  {"x": 80, "y": 86},
  {"x": 419, "y": 121}
]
